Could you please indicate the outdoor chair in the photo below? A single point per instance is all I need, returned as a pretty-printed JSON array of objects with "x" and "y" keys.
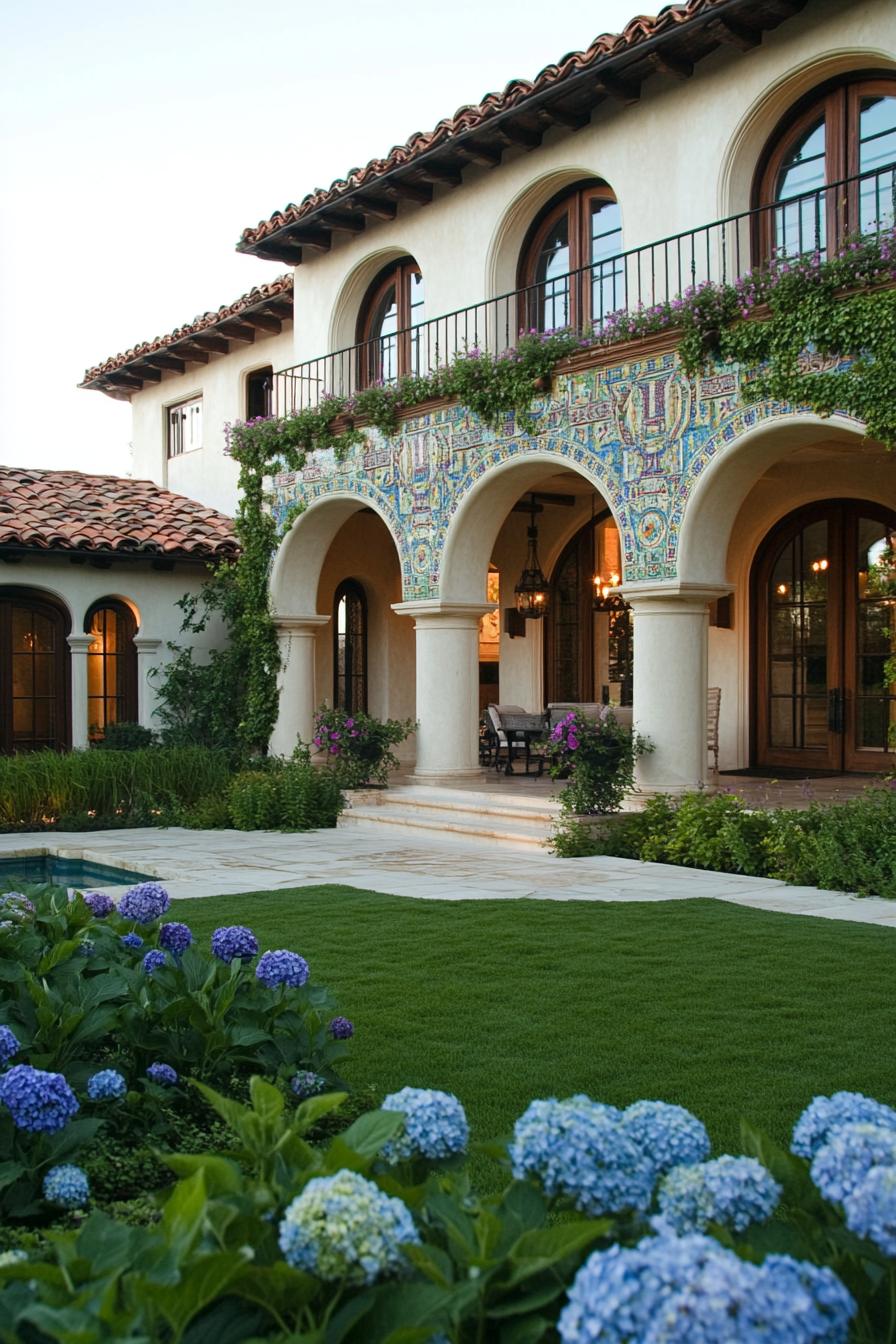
[
  {"x": 514, "y": 729},
  {"x": 713, "y": 705}
]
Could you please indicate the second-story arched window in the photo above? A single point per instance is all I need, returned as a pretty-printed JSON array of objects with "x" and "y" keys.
[
  {"x": 571, "y": 267},
  {"x": 844, "y": 131},
  {"x": 389, "y": 324},
  {"x": 350, "y": 648},
  {"x": 111, "y": 666}
]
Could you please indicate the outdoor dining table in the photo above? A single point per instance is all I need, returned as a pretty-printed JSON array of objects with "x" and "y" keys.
[{"x": 529, "y": 727}]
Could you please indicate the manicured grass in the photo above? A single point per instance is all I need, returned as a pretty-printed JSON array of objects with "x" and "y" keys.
[{"x": 727, "y": 1011}]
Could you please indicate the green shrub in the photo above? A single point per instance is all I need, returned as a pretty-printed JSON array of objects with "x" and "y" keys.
[
  {"x": 291, "y": 795},
  {"x": 254, "y": 801},
  {"x": 848, "y": 846},
  {"x": 125, "y": 737}
]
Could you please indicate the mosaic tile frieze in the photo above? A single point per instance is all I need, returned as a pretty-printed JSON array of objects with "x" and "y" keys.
[{"x": 642, "y": 431}]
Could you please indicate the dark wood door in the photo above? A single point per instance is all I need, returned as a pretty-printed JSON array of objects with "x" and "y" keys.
[
  {"x": 33, "y": 674},
  {"x": 824, "y": 593}
]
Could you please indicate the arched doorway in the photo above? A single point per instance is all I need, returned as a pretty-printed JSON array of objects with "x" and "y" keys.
[
  {"x": 350, "y": 648},
  {"x": 824, "y": 637},
  {"x": 34, "y": 672}
]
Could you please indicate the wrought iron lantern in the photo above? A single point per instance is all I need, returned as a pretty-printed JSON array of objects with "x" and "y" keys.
[{"x": 532, "y": 591}]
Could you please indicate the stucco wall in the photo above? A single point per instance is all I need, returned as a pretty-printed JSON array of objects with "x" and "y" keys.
[{"x": 205, "y": 473}]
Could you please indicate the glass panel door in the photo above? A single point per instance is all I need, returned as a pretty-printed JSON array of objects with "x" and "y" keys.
[{"x": 872, "y": 610}]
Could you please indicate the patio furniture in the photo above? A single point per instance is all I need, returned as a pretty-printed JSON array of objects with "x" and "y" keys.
[
  {"x": 713, "y": 705},
  {"x": 558, "y": 710},
  {"x": 515, "y": 728}
]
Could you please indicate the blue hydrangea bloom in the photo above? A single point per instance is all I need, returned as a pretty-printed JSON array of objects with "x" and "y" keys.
[
  {"x": 341, "y": 1029},
  {"x": 823, "y": 1115},
  {"x": 175, "y": 938},
  {"x": 162, "y": 1074},
  {"x": 691, "y": 1290},
  {"x": 870, "y": 1208},
  {"x": 144, "y": 903},
  {"x": 131, "y": 940},
  {"x": 307, "y": 1084},
  {"x": 669, "y": 1135},
  {"x": 9, "y": 1045},
  {"x": 282, "y": 968},
  {"x": 343, "y": 1228},
  {"x": 107, "y": 1085},
  {"x": 98, "y": 903},
  {"x": 67, "y": 1185},
  {"x": 234, "y": 941},
  {"x": 578, "y": 1148},
  {"x": 733, "y": 1191},
  {"x": 38, "y": 1101},
  {"x": 435, "y": 1125},
  {"x": 15, "y": 907},
  {"x": 153, "y": 960},
  {"x": 86, "y": 948},
  {"x": 848, "y": 1156}
]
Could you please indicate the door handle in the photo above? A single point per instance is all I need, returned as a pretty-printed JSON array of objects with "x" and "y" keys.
[{"x": 835, "y": 710}]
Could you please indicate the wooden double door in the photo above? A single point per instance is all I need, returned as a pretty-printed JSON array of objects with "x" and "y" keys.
[{"x": 824, "y": 639}]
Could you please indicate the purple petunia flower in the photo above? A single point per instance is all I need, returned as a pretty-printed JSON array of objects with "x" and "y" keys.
[
  {"x": 341, "y": 1029},
  {"x": 98, "y": 903},
  {"x": 234, "y": 941},
  {"x": 282, "y": 968},
  {"x": 153, "y": 960},
  {"x": 38, "y": 1101},
  {"x": 162, "y": 1074},
  {"x": 144, "y": 903},
  {"x": 175, "y": 938}
]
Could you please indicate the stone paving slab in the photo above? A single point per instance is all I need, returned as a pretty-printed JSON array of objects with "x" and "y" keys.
[{"x": 218, "y": 863}]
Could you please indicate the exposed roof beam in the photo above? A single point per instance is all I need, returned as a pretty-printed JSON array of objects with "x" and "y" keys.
[
  {"x": 194, "y": 355},
  {"x": 519, "y": 135},
  {"x": 573, "y": 121},
  {"x": 671, "y": 65},
  {"x": 376, "y": 206},
  {"x": 264, "y": 321},
  {"x": 165, "y": 362},
  {"x": 738, "y": 34},
  {"x": 282, "y": 310},
  {"x": 485, "y": 155},
  {"x": 209, "y": 341},
  {"x": 237, "y": 331},
  {"x": 126, "y": 379},
  {"x": 318, "y": 238},
  {"x": 409, "y": 191},
  {"x": 442, "y": 177},
  {"x": 147, "y": 373},
  {"x": 345, "y": 222},
  {"x": 623, "y": 90}
]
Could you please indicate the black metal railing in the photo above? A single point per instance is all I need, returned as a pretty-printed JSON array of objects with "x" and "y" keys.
[{"x": 585, "y": 299}]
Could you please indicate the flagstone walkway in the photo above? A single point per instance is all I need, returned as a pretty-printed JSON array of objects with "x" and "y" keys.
[{"x": 218, "y": 863}]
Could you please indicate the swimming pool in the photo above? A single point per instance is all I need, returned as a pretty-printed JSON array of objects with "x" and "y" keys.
[{"x": 65, "y": 872}]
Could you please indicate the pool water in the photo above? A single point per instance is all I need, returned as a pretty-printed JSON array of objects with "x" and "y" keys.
[{"x": 63, "y": 872}]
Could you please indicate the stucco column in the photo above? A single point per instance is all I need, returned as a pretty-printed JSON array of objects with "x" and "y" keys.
[
  {"x": 670, "y": 680},
  {"x": 447, "y": 637},
  {"x": 297, "y": 699},
  {"x": 147, "y": 694},
  {"x": 79, "y": 644}
]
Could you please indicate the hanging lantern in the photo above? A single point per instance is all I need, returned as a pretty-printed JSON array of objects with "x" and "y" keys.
[
  {"x": 532, "y": 591},
  {"x": 604, "y": 598}
]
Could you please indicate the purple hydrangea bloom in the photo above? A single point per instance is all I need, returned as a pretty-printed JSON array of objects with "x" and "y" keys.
[
  {"x": 162, "y": 1074},
  {"x": 98, "y": 903},
  {"x": 824, "y": 1115},
  {"x": 282, "y": 968},
  {"x": 38, "y": 1101},
  {"x": 131, "y": 940},
  {"x": 67, "y": 1185},
  {"x": 144, "y": 903},
  {"x": 307, "y": 1084},
  {"x": 9, "y": 1045},
  {"x": 107, "y": 1085},
  {"x": 153, "y": 960},
  {"x": 341, "y": 1029},
  {"x": 871, "y": 1208},
  {"x": 175, "y": 938},
  {"x": 233, "y": 942}
]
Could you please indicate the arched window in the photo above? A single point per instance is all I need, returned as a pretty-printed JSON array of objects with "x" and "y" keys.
[
  {"x": 842, "y": 132},
  {"x": 571, "y": 268},
  {"x": 111, "y": 666},
  {"x": 34, "y": 672},
  {"x": 350, "y": 648},
  {"x": 259, "y": 393},
  {"x": 389, "y": 324}
]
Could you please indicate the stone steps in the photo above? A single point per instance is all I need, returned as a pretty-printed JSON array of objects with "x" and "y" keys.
[{"x": 441, "y": 810}]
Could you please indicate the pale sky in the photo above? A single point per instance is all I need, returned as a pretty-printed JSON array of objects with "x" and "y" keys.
[{"x": 138, "y": 142}]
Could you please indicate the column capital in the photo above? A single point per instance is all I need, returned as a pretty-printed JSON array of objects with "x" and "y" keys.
[
  {"x": 672, "y": 595},
  {"x": 299, "y": 625},
  {"x": 80, "y": 643},
  {"x": 147, "y": 644},
  {"x": 436, "y": 612}
]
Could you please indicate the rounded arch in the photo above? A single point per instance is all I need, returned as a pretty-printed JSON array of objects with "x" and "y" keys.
[
  {"x": 757, "y": 125},
  {"x": 509, "y": 234},
  {"x": 350, "y": 627},
  {"x": 113, "y": 599},
  {"x": 727, "y": 477},
  {"x": 295, "y": 575},
  {"x": 35, "y": 670},
  {"x": 357, "y": 283},
  {"x": 111, "y": 665},
  {"x": 484, "y": 500}
]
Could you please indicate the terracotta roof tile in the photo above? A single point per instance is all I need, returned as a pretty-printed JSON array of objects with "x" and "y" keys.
[
  {"x": 281, "y": 288},
  {"x": 514, "y": 95},
  {"x": 72, "y": 511}
]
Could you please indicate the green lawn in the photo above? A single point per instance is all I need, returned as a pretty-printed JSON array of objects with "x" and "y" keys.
[{"x": 727, "y": 1011}]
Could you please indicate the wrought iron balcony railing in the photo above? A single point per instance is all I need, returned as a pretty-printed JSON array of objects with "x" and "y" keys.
[{"x": 723, "y": 251}]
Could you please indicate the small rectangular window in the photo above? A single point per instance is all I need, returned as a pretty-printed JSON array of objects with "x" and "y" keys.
[{"x": 184, "y": 427}]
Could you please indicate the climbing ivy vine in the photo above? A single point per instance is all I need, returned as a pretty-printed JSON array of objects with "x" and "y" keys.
[{"x": 808, "y": 331}]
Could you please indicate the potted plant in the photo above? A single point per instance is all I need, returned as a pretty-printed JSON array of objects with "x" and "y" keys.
[
  {"x": 359, "y": 746},
  {"x": 596, "y": 759}
]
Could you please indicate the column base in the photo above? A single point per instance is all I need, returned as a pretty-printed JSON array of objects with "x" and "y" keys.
[{"x": 434, "y": 776}]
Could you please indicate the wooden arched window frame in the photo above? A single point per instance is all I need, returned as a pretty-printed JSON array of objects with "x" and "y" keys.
[
  {"x": 111, "y": 666},
  {"x": 389, "y": 323},
  {"x": 350, "y": 648},
  {"x": 571, "y": 269},
  {"x": 35, "y": 672},
  {"x": 839, "y": 131}
]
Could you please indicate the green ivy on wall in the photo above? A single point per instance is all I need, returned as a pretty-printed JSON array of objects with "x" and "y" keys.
[{"x": 807, "y": 331}]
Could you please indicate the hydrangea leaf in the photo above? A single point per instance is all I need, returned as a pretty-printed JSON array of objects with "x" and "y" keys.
[
  {"x": 313, "y": 1108},
  {"x": 367, "y": 1136},
  {"x": 221, "y": 1175},
  {"x": 538, "y": 1250},
  {"x": 267, "y": 1101}
]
